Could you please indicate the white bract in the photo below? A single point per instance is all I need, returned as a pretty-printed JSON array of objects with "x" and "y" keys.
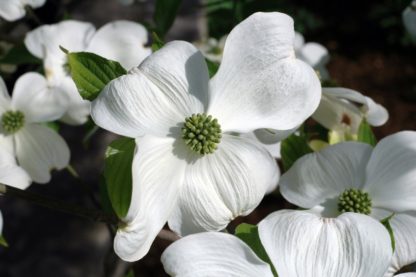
[
  {"x": 314, "y": 54},
  {"x": 299, "y": 244},
  {"x": 122, "y": 41},
  {"x": 409, "y": 19},
  {"x": 341, "y": 110},
  {"x": 12, "y": 10},
  {"x": 11, "y": 174},
  {"x": 354, "y": 177},
  {"x": 191, "y": 168},
  {"x": 38, "y": 149}
]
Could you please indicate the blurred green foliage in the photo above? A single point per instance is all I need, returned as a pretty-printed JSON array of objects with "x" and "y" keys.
[{"x": 372, "y": 23}]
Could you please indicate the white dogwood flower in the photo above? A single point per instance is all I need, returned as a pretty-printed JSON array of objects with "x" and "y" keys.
[
  {"x": 191, "y": 167},
  {"x": 409, "y": 19},
  {"x": 38, "y": 149},
  {"x": 341, "y": 110},
  {"x": 313, "y": 53},
  {"x": 12, "y": 10},
  {"x": 354, "y": 177},
  {"x": 121, "y": 40},
  {"x": 378, "y": 181},
  {"x": 299, "y": 244}
]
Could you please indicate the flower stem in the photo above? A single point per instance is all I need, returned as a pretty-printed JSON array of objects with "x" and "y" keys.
[{"x": 58, "y": 205}]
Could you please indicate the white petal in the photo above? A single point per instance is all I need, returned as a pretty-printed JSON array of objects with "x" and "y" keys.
[
  {"x": 12, "y": 10},
  {"x": 78, "y": 109},
  {"x": 260, "y": 84},
  {"x": 299, "y": 41},
  {"x": 157, "y": 178},
  {"x": 33, "y": 97},
  {"x": 221, "y": 186},
  {"x": 213, "y": 254},
  {"x": 391, "y": 172},
  {"x": 71, "y": 34},
  {"x": 121, "y": 41},
  {"x": 377, "y": 115},
  {"x": 301, "y": 244},
  {"x": 10, "y": 173},
  {"x": 270, "y": 139},
  {"x": 404, "y": 229},
  {"x": 334, "y": 112},
  {"x": 314, "y": 54},
  {"x": 5, "y": 101},
  {"x": 350, "y": 100},
  {"x": 40, "y": 149},
  {"x": 409, "y": 20},
  {"x": 409, "y": 274},
  {"x": 156, "y": 97},
  {"x": 323, "y": 176}
]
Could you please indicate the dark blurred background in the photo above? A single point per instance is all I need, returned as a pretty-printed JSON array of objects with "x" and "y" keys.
[{"x": 370, "y": 52}]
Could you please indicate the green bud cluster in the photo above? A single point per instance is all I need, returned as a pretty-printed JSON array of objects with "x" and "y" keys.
[
  {"x": 12, "y": 121},
  {"x": 354, "y": 200},
  {"x": 201, "y": 133}
]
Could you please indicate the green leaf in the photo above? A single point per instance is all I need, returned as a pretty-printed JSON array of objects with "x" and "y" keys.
[
  {"x": 130, "y": 273},
  {"x": 91, "y": 72},
  {"x": 250, "y": 235},
  {"x": 53, "y": 125},
  {"x": 365, "y": 133},
  {"x": 118, "y": 173},
  {"x": 212, "y": 67},
  {"x": 19, "y": 55},
  {"x": 157, "y": 42},
  {"x": 164, "y": 16},
  {"x": 3, "y": 241},
  {"x": 386, "y": 223},
  {"x": 292, "y": 148}
]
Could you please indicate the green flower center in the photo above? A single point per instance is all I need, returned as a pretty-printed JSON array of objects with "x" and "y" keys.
[
  {"x": 12, "y": 121},
  {"x": 354, "y": 200},
  {"x": 201, "y": 133}
]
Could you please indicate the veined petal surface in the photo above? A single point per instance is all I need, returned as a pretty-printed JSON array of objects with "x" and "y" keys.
[
  {"x": 213, "y": 254},
  {"x": 39, "y": 150},
  {"x": 158, "y": 170},
  {"x": 221, "y": 186},
  {"x": 301, "y": 244},
  {"x": 260, "y": 83},
  {"x": 156, "y": 97},
  {"x": 318, "y": 177}
]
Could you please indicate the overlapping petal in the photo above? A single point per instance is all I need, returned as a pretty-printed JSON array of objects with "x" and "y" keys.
[
  {"x": 10, "y": 173},
  {"x": 391, "y": 172},
  {"x": 302, "y": 244},
  {"x": 12, "y": 10},
  {"x": 70, "y": 34},
  {"x": 155, "y": 98},
  {"x": 158, "y": 174},
  {"x": 313, "y": 54},
  {"x": 404, "y": 229},
  {"x": 33, "y": 97},
  {"x": 5, "y": 101},
  {"x": 213, "y": 254},
  {"x": 78, "y": 109},
  {"x": 322, "y": 176},
  {"x": 221, "y": 186},
  {"x": 121, "y": 41},
  {"x": 260, "y": 83},
  {"x": 39, "y": 150}
]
